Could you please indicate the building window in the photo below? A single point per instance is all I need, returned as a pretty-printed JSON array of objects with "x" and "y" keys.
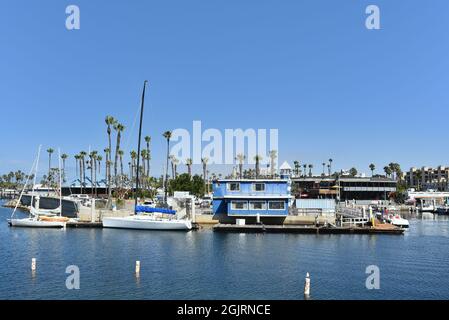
[
  {"x": 276, "y": 205},
  {"x": 257, "y": 205},
  {"x": 259, "y": 186},
  {"x": 239, "y": 205},
  {"x": 234, "y": 186}
]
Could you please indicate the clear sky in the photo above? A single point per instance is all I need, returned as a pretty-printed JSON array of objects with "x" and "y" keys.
[{"x": 309, "y": 68}]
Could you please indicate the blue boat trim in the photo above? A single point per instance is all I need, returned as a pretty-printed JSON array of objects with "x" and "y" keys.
[{"x": 151, "y": 210}]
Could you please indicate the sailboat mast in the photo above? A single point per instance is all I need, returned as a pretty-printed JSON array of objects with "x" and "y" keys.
[
  {"x": 60, "y": 183},
  {"x": 138, "y": 146},
  {"x": 26, "y": 183},
  {"x": 34, "y": 180}
]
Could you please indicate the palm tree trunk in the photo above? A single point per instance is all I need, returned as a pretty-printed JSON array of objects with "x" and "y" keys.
[
  {"x": 166, "y": 170},
  {"x": 148, "y": 159}
]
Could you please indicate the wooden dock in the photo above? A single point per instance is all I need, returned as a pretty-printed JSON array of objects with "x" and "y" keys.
[
  {"x": 81, "y": 224},
  {"x": 261, "y": 228}
]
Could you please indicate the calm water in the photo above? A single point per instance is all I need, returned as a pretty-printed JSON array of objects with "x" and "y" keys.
[{"x": 207, "y": 265}]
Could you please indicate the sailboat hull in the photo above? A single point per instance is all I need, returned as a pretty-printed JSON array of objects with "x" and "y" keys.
[
  {"x": 33, "y": 223},
  {"x": 133, "y": 222}
]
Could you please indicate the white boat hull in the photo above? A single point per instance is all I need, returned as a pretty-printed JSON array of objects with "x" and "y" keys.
[
  {"x": 145, "y": 223},
  {"x": 33, "y": 223},
  {"x": 398, "y": 221}
]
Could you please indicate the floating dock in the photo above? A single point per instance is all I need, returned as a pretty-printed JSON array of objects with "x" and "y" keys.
[
  {"x": 260, "y": 228},
  {"x": 80, "y": 224}
]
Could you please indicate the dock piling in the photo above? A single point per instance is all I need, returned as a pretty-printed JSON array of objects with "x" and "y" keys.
[
  {"x": 33, "y": 264},
  {"x": 137, "y": 268},
  {"x": 307, "y": 286}
]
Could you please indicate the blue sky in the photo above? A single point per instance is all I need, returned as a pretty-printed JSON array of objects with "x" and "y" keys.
[{"x": 309, "y": 68}]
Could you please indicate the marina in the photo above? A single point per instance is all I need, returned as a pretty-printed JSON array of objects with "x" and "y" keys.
[
  {"x": 241, "y": 151},
  {"x": 219, "y": 265}
]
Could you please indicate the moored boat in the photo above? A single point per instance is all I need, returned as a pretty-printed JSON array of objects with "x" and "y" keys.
[
  {"x": 443, "y": 210},
  {"x": 33, "y": 222},
  {"x": 398, "y": 221},
  {"x": 146, "y": 222}
]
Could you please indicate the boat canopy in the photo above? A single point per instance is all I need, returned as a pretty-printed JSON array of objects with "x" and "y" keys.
[{"x": 150, "y": 210}]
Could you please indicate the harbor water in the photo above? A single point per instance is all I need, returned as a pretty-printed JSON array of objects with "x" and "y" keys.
[{"x": 207, "y": 265}]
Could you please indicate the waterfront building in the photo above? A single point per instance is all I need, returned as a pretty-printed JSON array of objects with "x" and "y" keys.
[
  {"x": 343, "y": 188},
  {"x": 251, "y": 197},
  {"x": 427, "y": 178}
]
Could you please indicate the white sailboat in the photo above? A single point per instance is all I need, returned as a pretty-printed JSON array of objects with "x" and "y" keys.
[
  {"x": 146, "y": 221},
  {"x": 33, "y": 221}
]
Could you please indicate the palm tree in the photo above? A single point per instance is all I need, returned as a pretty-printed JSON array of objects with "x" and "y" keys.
[
  {"x": 63, "y": 158},
  {"x": 50, "y": 151},
  {"x": 77, "y": 157},
  {"x": 324, "y": 166},
  {"x": 99, "y": 159},
  {"x": 372, "y": 167},
  {"x": 257, "y": 158},
  {"x": 241, "y": 159},
  {"x": 175, "y": 166},
  {"x": 172, "y": 162},
  {"x": 90, "y": 163},
  {"x": 133, "y": 155},
  {"x": 204, "y": 162},
  {"x": 148, "y": 140},
  {"x": 143, "y": 155},
  {"x": 80, "y": 160},
  {"x": 273, "y": 156},
  {"x": 189, "y": 166},
  {"x": 121, "y": 153},
  {"x": 353, "y": 171},
  {"x": 387, "y": 171},
  {"x": 107, "y": 153},
  {"x": 330, "y": 166},
  {"x": 109, "y": 122},
  {"x": 310, "y": 169},
  {"x": 296, "y": 166},
  {"x": 167, "y": 136},
  {"x": 305, "y": 169},
  {"x": 391, "y": 165},
  {"x": 83, "y": 154},
  {"x": 119, "y": 128}
]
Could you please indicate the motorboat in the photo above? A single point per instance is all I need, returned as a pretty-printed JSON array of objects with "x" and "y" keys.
[
  {"x": 427, "y": 208},
  {"x": 443, "y": 210},
  {"x": 397, "y": 220}
]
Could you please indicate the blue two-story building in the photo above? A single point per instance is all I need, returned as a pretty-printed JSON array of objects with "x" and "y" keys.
[{"x": 249, "y": 198}]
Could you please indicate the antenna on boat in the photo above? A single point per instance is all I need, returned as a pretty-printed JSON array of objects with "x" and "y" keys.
[{"x": 138, "y": 146}]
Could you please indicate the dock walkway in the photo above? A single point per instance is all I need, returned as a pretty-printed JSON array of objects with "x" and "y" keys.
[{"x": 261, "y": 228}]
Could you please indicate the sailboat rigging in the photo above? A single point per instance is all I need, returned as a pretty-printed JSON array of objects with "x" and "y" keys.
[{"x": 142, "y": 218}]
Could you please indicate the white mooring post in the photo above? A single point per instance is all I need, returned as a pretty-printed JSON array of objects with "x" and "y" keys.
[
  {"x": 307, "y": 286},
  {"x": 137, "y": 268},
  {"x": 33, "y": 264},
  {"x": 258, "y": 218}
]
